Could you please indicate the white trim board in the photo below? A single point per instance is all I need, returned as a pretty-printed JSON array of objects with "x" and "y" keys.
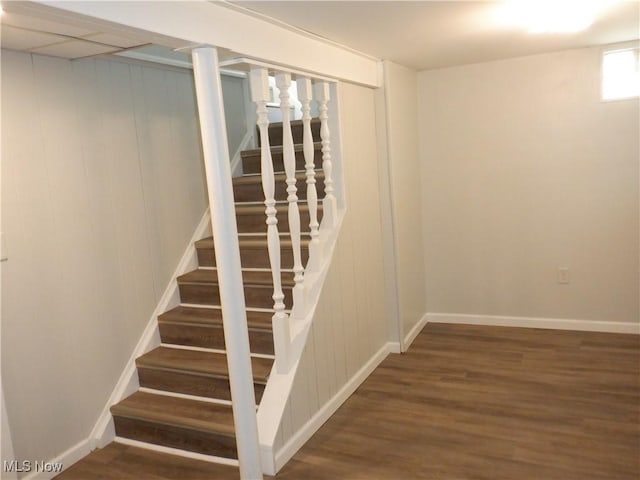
[
  {"x": 103, "y": 431},
  {"x": 66, "y": 458},
  {"x": 306, "y": 432},
  {"x": 177, "y": 452},
  {"x": 533, "y": 322},
  {"x": 414, "y": 332}
]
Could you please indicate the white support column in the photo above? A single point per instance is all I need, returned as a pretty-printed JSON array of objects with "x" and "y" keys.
[
  {"x": 305, "y": 95},
  {"x": 329, "y": 204},
  {"x": 227, "y": 251},
  {"x": 259, "y": 78},
  {"x": 283, "y": 82}
]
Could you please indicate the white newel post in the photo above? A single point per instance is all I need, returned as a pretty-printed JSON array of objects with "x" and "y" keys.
[
  {"x": 305, "y": 95},
  {"x": 283, "y": 82},
  {"x": 221, "y": 202},
  {"x": 329, "y": 204},
  {"x": 259, "y": 80}
]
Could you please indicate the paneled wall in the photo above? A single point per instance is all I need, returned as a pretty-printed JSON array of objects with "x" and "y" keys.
[
  {"x": 350, "y": 325},
  {"x": 525, "y": 170},
  {"x": 101, "y": 190}
]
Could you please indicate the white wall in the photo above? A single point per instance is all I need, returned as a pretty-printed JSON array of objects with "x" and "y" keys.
[
  {"x": 101, "y": 190},
  {"x": 233, "y": 91},
  {"x": 525, "y": 170},
  {"x": 400, "y": 169},
  {"x": 350, "y": 325}
]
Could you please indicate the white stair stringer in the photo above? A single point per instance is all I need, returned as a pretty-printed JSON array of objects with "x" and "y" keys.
[{"x": 278, "y": 389}]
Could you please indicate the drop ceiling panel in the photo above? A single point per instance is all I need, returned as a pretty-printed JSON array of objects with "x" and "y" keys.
[
  {"x": 43, "y": 25},
  {"x": 75, "y": 49},
  {"x": 115, "y": 40},
  {"x": 56, "y": 37},
  {"x": 18, "y": 39}
]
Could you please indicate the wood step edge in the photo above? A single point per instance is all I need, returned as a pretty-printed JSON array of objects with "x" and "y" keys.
[
  {"x": 178, "y": 316},
  {"x": 256, "y": 178},
  {"x": 127, "y": 408},
  {"x": 154, "y": 360},
  {"x": 253, "y": 327},
  {"x": 251, "y": 278},
  {"x": 297, "y": 147},
  {"x": 255, "y": 208},
  {"x": 295, "y": 123},
  {"x": 255, "y": 241}
]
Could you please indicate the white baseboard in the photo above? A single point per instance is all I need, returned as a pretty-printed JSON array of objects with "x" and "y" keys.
[
  {"x": 103, "y": 432},
  {"x": 394, "y": 347},
  {"x": 413, "y": 333},
  {"x": 65, "y": 459},
  {"x": 532, "y": 322},
  {"x": 329, "y": 408}
]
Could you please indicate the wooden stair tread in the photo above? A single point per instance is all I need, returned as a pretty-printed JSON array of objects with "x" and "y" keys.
[
  {"x": 258, "y": 209},
  {"x": 177, "y": 412},
  {"x": 249, "y": 278},
  {"x": 212, "y": 317},
  {"x": 294, "y": 123},
  {"x": 195, "y": 361},
  {"x": 278, "y": 149},
  {"x": 256, "y": 178},
  {"x": 256, "y": 241}
]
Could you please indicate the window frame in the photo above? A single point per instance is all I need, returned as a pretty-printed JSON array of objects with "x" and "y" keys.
[{"x": 631, "y": 46}]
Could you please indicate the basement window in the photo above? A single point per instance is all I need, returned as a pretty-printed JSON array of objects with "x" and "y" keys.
[{"x": 620, "y": 74}]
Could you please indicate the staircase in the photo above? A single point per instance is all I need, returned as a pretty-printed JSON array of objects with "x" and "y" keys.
[{"x": 184, "y": 400}]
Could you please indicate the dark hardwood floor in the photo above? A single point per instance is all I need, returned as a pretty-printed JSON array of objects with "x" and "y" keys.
[{"x": 466, "y": 402}]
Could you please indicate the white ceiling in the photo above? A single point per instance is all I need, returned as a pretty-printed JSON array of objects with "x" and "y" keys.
[
  {"x": 418, "y": 34},
  {"x": 26, "y": 32},
  {"x": 433, "y": 34}
]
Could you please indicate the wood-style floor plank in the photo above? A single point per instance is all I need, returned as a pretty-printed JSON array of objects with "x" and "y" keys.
[
  {"x": 474, "y": 402},
  {"x": 465, "y": 403},
  {"x": 122, "y": 462}
]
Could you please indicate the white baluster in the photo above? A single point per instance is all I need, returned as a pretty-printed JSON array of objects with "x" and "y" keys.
[
  {"x": 329, "y": 204},
  {"x": 259, "y": 79},
  {"x": 283, "y": 82},
  {"x": 305, "y": 94}
]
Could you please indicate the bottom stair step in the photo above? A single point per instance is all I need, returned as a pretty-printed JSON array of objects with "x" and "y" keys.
[{"x": 191, "y": 425}]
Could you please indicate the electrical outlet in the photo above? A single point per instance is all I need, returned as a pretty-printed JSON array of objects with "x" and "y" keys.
[{"x": 564, "y": 275}]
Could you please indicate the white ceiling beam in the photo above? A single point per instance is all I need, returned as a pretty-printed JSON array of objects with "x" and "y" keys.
[{"x": 203, "y": 22}]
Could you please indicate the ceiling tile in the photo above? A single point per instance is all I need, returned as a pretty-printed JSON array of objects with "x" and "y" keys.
[
  {"x": 18, "y": 39},
  {"x": 75, "y": 49},
  {"x": 42, "y": 25},
  {"x": 116, "y": 40}
]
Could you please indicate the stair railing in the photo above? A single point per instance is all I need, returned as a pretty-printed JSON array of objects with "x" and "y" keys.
[
  {"x": 283, "y": 323},
  {"x": 226, "y": 246}
]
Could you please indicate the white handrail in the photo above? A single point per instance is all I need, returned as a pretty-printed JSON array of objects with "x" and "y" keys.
[{"x": 227, "y": 251}]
